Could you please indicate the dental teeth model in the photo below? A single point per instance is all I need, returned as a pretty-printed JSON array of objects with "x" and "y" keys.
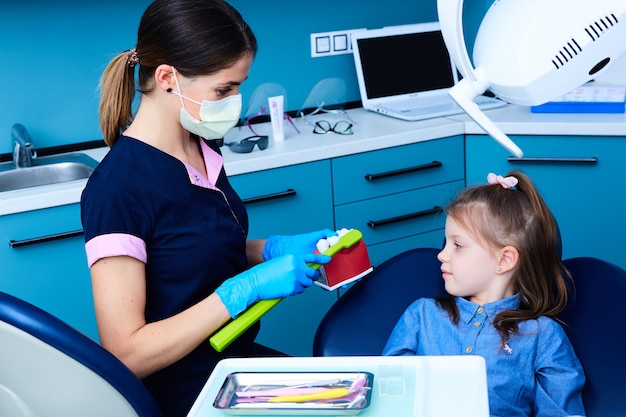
[
  {"x": 324, "y": 244},
  {"x": 350, "y": 259}
]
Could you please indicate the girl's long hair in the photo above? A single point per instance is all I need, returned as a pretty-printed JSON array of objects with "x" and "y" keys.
[{"x": 518, "y": 217}]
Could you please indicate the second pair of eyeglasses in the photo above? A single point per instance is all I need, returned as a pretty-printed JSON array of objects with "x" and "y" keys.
[{"x": 341, "y": 127}]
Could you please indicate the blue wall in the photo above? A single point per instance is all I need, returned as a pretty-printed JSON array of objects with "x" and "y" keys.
[{"x": 53, "y": 53}]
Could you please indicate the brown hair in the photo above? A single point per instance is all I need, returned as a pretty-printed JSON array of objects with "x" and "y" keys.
[
  {"x": 518, "y": 217},
  {"x": 197, "y": 37}
]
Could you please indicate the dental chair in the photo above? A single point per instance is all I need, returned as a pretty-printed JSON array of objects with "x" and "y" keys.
[
  {"x": 594, "y": 323},
  {"x": 49, "y": 369},
  {"x": 360, "y": 322}
]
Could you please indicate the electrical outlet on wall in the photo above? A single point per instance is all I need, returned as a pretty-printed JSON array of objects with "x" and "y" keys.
[{"x": 332, "y": 43}]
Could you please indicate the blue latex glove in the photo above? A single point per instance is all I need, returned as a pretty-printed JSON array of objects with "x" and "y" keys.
[
  {"x": 279, "y": 245},
  {"x": 278, "y": 278}
]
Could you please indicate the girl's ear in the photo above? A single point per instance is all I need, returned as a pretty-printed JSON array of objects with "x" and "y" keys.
[{"x": 509, "y": 257}]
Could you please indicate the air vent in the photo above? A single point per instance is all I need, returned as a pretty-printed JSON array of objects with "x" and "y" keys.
[
  {"x": 566, "y": 53},
  {"x": 594, "y": 31}
]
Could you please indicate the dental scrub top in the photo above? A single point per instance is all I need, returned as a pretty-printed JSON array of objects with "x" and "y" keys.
[
  {"x": 189, "y": 230},
  {"x": 536, "y": 373}
]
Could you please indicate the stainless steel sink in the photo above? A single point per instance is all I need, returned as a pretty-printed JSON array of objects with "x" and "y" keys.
[{"x": 46, "y": 170}]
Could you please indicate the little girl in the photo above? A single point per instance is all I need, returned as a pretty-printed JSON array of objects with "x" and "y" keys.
[{"x": 506, "y": 284}]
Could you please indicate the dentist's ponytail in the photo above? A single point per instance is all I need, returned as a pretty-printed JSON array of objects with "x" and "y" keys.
[{"x": 117, "y": 91}]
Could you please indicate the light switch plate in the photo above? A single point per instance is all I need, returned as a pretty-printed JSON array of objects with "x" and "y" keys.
[{"x": 332, "y": 43}]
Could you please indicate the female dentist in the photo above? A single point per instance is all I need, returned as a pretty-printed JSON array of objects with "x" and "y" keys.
[{"x": 166, "y": 234}]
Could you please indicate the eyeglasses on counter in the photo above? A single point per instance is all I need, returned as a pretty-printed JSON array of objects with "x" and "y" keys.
[
  {"x": 342, "y": 127},
  {"x": 246, "y": 145}
]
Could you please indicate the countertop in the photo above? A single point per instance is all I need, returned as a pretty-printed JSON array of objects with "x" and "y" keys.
[
  {"x": 372, "y": 131},
  {"x": 519, "y": 120}
]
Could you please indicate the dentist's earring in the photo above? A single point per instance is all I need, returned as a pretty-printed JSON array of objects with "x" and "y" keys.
[
  {"x": 169, "y": 90},
  {"x": 498, "y": 269}
]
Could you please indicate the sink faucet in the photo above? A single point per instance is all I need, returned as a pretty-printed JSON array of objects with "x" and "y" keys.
[{"x": 23, "y": 149}]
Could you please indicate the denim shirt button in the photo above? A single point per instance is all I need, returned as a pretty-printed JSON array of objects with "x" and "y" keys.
[
  {"x": 468, "y": 349},
  {"x": 480, "y": 310},
  {"x": 477, "y": 324}
]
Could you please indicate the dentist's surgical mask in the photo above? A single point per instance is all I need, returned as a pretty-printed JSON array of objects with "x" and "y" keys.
[{"x": 217, "y": 117}]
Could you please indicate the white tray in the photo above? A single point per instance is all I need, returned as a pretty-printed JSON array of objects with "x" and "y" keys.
[{"x": 418, "y": 386}]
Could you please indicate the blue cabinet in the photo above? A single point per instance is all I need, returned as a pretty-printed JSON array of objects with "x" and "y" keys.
[
  {"x": 578, "y": 176},
  {"x": 44, "y": 263},
  {"x": 396, "y": 196}
]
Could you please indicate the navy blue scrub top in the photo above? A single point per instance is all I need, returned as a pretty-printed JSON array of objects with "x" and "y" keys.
[{"x": 195, "y": 239}]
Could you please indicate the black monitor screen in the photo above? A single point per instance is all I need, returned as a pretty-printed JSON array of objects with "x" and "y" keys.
[{"x": 403, "y": 64}]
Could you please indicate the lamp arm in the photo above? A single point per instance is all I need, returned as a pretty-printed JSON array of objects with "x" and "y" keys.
[
  {"x": 464, "y": 93},
  {"x": 451, "y": 21},
  {"x": 473, "y": 83}
]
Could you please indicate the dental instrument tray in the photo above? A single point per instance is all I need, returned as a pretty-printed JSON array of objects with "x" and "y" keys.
[{"x": 295, "y": 393}]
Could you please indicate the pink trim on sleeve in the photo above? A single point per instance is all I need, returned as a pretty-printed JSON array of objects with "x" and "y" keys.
[{"x": 115, "y": 244}]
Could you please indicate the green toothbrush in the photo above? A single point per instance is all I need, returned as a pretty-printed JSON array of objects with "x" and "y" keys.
[{"x": 227, "y": 334}]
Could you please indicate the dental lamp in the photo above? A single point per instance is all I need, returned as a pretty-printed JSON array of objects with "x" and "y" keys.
[{"x": 529, "y": 52}]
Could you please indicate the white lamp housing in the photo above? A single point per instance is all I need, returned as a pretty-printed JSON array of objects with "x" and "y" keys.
[{"x": 532, "y": 51}]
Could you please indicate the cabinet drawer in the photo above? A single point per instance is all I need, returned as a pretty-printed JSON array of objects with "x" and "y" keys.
[
  {"x": 388, "y": 171},
  {"x": 545, "y": 156},
  {"x": 398, "y": 215},
  {"x": 40, "y": 226},
  {"x": 288, "y": 200},
  {"x": 379, "y": 253}
]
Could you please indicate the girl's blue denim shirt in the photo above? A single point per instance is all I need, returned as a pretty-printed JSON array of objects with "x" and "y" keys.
[{"x": 536, "y": 374}]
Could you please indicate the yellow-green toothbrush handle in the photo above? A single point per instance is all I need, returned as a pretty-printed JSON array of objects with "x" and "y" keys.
[
  {"x": 232, "y": 330},
  {"x": 235, "y": 328},
  {"x": 227, "y": 334}
]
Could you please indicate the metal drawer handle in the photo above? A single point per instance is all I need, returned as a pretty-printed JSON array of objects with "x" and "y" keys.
[
  {"x": 372, "y": 177},
  {"x": 590, "y": 160},
  {"x": 44, "y": 239},
  {"x": 287, "y": 193},
  {"x": 376, "y": 223}
]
